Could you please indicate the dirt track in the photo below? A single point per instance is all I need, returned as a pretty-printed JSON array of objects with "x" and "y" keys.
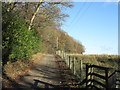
[{"x": 44, "y": 75}]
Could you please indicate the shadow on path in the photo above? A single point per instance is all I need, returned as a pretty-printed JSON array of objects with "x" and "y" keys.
[
  {"x": 44, "y": 75},
  {"x": 46, "y": 85}
]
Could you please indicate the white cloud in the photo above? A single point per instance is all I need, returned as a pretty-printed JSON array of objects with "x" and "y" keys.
[
  {"x": 103, "y": 48},
  {"x": 109, "y": 3}
]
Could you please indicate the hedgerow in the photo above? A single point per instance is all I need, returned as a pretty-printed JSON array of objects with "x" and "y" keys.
[{"x": 18, "y": 42}]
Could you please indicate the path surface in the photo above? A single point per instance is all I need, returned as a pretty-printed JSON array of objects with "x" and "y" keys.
[{"x": 44, "y": 75}]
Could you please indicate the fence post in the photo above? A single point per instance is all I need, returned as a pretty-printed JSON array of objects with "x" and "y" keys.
[
  {"x": 81, "y": 70},
  {"x": 74, "y": 66},
  {"x": 65, "y": 57},
  {"x": 116, "y": 80},
  {"x": 106, "y": 78},
  {"x": 58, "y": 52},
  {"x": 66, "y": 60},
  {"x": 69, "y": 62},
  {"x": 91, "y": 76},
  {"x": 86, "y": 76},
  {"x": 62, "y": 54}
]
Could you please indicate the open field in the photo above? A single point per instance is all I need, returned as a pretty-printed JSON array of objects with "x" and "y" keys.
[{"x": 110, "y": 61}]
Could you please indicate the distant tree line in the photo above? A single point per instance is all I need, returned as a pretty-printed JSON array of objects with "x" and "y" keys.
[{"x": 28, "y": 28}]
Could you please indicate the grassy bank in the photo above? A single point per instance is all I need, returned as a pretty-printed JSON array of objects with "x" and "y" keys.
[{"x": 13, "y": 71}]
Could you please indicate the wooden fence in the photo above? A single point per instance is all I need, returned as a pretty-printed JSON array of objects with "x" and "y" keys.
[
  {"x": 73, "y": 64},
  {"x": 111, "y": 81},
  {"x": 89, "y": 76}
]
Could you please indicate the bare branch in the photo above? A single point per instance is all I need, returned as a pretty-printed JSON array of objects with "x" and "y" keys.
[{"x": 33, "y": 17}]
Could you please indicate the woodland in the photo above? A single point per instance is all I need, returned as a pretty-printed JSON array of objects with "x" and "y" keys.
[{"x": 32, "y": 27}]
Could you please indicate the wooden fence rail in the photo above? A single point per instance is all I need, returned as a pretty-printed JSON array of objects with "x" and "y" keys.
[
  {"x": 110, "y": 81},
  {"x": 108, "y": 84}
]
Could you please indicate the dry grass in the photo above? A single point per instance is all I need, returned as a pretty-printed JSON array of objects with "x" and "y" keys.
[{"x": 100, "y": 60}]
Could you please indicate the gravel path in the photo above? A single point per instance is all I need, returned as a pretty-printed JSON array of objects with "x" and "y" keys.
[{"x": 44, "y": 75}]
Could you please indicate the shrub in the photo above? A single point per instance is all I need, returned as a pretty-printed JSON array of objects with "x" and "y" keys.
[{"x": 18, "y": 42}]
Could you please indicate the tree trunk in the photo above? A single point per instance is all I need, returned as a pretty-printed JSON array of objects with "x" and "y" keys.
[{"x": 33, "y": 17}]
